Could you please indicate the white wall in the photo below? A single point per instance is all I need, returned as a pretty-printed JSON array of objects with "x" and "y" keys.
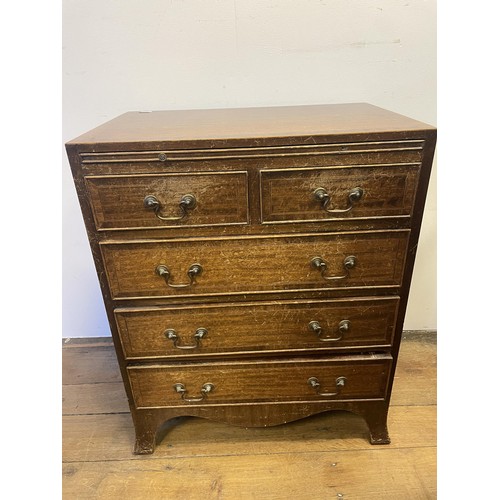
[{"x": 124, "y": 55}]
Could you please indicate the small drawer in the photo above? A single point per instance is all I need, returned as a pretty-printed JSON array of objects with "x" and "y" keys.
[
  {"x": 331, "y": 193},
  {"x": 232, "y": 266},
  {"x": 342, "y": 378},
  {"x": 168, "y": 200},
  {"x": 301, "y": 325}
]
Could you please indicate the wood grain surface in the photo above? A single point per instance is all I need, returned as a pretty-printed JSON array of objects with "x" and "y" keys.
[
  {"x": 117, "y": 201},
  {"x": 273, "y": 156},
  {"x": 314, "y": 458},
  {"x": 246, "y": 266},
  {"x": 256, "y": 327},
  {"x": 250, "y": 123},
  {"x": 364, "y": 377},
  {"x": 317, "y": 476},
  {"x": 387, "y": 191}
]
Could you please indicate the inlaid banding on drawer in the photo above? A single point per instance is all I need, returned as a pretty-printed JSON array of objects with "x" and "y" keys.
[
  {"x": 159, "y": 200},
  {"x": 256, "y": 327},
  {"x": 342, "y": 378},
  {"x": 248, "y": 265},
  {"x": 331, "y": 193}
]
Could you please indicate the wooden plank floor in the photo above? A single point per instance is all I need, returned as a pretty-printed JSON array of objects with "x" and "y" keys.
[{"x": 326, "y": 456}]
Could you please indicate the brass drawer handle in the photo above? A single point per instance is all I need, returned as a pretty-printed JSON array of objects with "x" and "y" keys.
[
  {"x": 319, "y": 264},
  {"x": 343, "y": 327},
  {"x": 172, "y": 335},
  {"x": 315, "y": 384},
  {"x": 193, "y": 271},
  {"x": 323, "y": 197},
  {"x": 181, "y": 389},
  {"x": 188, "y": 202}
]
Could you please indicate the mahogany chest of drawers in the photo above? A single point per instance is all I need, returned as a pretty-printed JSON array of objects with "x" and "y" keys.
[{"x": 255, "y": 263}]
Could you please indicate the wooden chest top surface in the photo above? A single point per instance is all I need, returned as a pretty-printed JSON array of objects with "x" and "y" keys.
[{"x": 300, "y": 122}]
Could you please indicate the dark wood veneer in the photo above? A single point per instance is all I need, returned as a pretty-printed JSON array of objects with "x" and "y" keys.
[
  {"x": 276, "y": 381},
  {"x": 221, "y": 199},
  {"x": 255, "y": 229},
  {"x": 253, "y": 328},
  {"x": 254, "y": 265}
]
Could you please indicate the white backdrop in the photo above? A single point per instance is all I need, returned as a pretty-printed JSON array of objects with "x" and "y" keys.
[{"x": 127, "y": 55}]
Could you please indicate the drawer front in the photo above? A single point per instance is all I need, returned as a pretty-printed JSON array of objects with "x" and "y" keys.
[
  {"x": 256, "y": 327},
  {"x": 207, "y": 267},
  {"x": 168, "y": 200},
  {"x": 341, "y": 378},
  {"x": 318, "y": 194},
  {"x": 304, "y": 155}
]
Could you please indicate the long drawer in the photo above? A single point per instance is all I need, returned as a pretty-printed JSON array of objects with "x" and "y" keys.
[
  {"x": 209, "y": 266},
  {"x": 168, "y": 200},
  {"x": 337, "y": 378},
  {"x": 207, "y": 330},
  {"x": 355, "y": 192}
]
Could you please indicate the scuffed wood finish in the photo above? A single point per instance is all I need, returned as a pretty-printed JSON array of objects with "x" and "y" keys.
[
  {"x": 288, "y": 195},
  {"x": 95, "y": 398},
  {"x": 104, "y": 358},
  {"x": 117, "y": 201},
  {"x": 236, "y": 266},
  {"x": 352, "y": 474},
  {"x": 254, "y": 237},
  {"x": 111, "y": 436},
  {"x": 200, "y": 458},
  {"x": 256, "y": 327},
  {"x": 255, "y": 381},
  {"x": 342, "y": 154},
  {"x": 102, "y": 392}
]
